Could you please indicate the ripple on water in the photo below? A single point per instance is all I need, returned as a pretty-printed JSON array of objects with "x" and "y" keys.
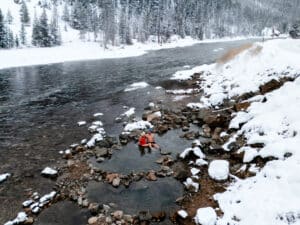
[{"x": 140, "y": 196}]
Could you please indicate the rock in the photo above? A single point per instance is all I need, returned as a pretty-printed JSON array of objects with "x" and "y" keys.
[
  {"x": 106, "y": 208},
  {"x": 92, "y": 220},
  {"x": 181, "y": 171},
  {"x": 116, "y": 182},
  {"x": 118, "y": 214},
  {"x": 29, "y": 221},
  {"x": 85, "y": 203},
  {"x": 70, "y": 162},
  {"x": 151, "y": 176},
  {"x": 216, "y": 134},
  {"x": 219, "y": 170},
  {"x": 165, "y": 152},
  {"x": 216, "y": 120},
  {"x": 242, "y": 106},
  {"x": 185, "y": 128},
  {"x": 128, "y": 219},
  {"x": 124, "y": 139},
  {"x": 269, "y": 86},
  {"x": 205, "y": 131},
  {"x": 100, "y": 159},
  {"x": 94, "y": 208},
  {"x": 101, "y": 152},
  {"x": 49, "y": 172},
  {"x": 161, "y": 129},
  {"x": 144, "y": 216},
  {"x": 158, "y": 216},
  {"x": 108, "y": 220}
]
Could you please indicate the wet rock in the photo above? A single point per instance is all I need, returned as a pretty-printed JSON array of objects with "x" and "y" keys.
[
  {"x": 94, "y": 208},
  {"x": 128, "y": 219},
  {"x": 205, "y": 131},
  {"x": 85, "y": 203},
  {"x": 158, "y": 216},
  {"x": 165, "y": 152},
  {"x": 106, "y": 208},
  {"x": 80, "y": 148},
  {"x": 185, "y": 128},
  {"x": 216, "y": 134},
  {"x": 161, "y": 129},
  {"x": 269, "y": 86},
  {"x": 116, "y": 182},
  {"x": 92, "y": 220},
  {"x": 216, "y": 120},
  {"x": 144, "y": 216},
  {"x": 181, "y": 171},
  {"x": 29, "y": 221},
  {"x": 118, "y": 214},
  {"x": 108, "y": 220},
  {"x": 191, "y": 135},
  {"x": 151, "y": 176},
  {"x": 101, "y": 152},
  {"x": 100, "y": 159}
]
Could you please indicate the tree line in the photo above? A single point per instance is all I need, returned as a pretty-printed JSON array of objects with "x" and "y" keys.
[{"x": 118, "y": 22}]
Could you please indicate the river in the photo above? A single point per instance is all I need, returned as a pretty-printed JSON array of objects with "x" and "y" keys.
[{"x": 41, "y": 105}]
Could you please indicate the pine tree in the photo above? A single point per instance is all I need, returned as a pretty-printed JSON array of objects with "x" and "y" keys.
[
  {"x": 55, "y": 36},
  {"x": 17, "y": 42},
  {"x": 66, "y": 13},
  {"x": 24, "y": 13},
  {"x": 3, "y": 32},
  {"x": 45, "y": 40},
  {"x": 23, "y": 34},
  {"x": 9, "y": 17},
  {"x": 35, "y": 31}
]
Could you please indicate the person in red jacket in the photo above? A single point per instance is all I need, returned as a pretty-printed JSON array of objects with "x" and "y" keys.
[{"x": 143, "y": 141}]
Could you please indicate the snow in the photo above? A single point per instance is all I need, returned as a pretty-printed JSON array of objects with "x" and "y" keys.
[
  {"x": 219, "y": 170},
  {"x": 183, "y": 91},
  {"x": 270, "y": 196},
  {"x": 98, "y": 114},
  {"x": 206, "y": 216},
  {"x": 97, "y": 123},
  {"x": 201, "y": 162},
  {"x": 27, "y": 203},
  {"x": 135, "y": 86},
  {"x": 96, "y": 138},
  {"x": 21, "y": 218},
  {"x": 182, "y": 213},
  {"x": 139, "y": 125},
  {"x": 49, "y": 171},
  {"x": 195, "y": 171},
  {"x": 81, "y": 123},
  {"x": 3, "y": 177},
  {"x": 47, "y": 198},
  {"x": 129, "y": 112},
  {"x": 196, "y": 150},
  {"x": 190, "y": 183}
]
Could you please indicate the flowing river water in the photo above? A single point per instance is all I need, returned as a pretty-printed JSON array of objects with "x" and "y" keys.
[{"x": 41, "y": 105}]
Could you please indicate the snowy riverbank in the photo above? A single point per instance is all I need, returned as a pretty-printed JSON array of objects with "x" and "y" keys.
[
  {"x": 78, "y": 51},
  {"x": 270, "y": 126}
]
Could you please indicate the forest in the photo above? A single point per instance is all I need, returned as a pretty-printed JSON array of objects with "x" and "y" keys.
[{"x": 118, "y": 22}]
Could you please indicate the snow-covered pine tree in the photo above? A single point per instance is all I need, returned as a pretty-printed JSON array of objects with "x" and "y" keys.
[
  {"x": 3, "y": 32},
  {"x": 9, "y": 18},
  {"x": 45, "y": 40},
  {"x": 23, "y": 34},
  {"x": 24, "y": 14},
  {"x": 55, "y": 36}
]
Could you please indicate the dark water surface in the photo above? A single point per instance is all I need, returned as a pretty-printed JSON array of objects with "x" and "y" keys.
[{"x": 40, "y": 106}]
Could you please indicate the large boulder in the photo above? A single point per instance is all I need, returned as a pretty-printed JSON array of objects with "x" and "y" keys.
[{"x": 269, "y": 86}]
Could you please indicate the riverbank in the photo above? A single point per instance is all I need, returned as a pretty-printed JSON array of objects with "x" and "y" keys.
[
  {"x": 213, "y": 133},
  {"x": 83, "y": 51}
]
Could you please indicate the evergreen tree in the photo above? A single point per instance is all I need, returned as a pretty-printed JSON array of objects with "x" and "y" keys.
[
  {"x": 24, "y": 13},
  {"x": 3, "y": 32},
  {"x": 45, "y": 39},
  {"x": 9, "y": 17},
  {"x": 23, "y": 34},
  {"x": 66, "y": 13},
  {"x": 17, "y": 42},
  {"x": 55, "y": 36}
]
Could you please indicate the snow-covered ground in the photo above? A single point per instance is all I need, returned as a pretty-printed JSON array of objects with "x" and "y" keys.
[{"x": 271, "y": 197}]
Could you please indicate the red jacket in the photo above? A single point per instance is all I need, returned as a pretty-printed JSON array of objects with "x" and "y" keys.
[{"x": 143, "y": 141}]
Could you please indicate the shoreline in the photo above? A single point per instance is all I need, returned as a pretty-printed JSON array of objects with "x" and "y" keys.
[{"x": 84, "y": 51}]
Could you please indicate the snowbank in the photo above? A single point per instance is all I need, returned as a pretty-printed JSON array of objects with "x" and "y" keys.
[
  {"x": 139, "y": 125},
  {"x": 246, "y": 71},
  {"x": 271, "y": 196},
  {"x": 136, "y": 86}
]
